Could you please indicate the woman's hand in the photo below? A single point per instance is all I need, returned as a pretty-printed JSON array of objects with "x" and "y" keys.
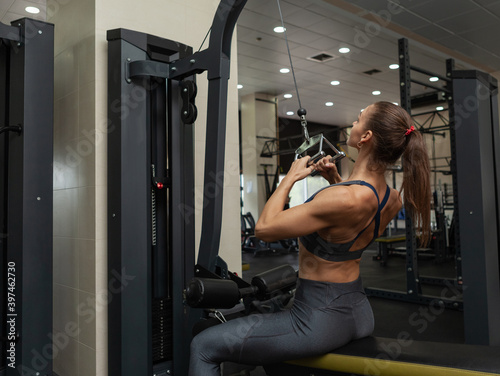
[
  {"x": 328, "y": 170},
  {"x": 300, "y": 169}
]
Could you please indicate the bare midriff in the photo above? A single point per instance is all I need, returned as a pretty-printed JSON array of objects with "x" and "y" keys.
[{"x": 317, "y": 269}]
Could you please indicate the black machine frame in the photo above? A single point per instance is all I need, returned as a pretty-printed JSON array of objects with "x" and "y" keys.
[
  {"x": 26, "y": 155},
  {"x": 476, "y": 127},
  {"x": 472, "y": 98},
  {"x": 151, "y": 109},
  {"x": 413, "y": 278}
]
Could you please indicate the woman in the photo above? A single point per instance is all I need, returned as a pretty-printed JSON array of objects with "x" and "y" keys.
[{"x": 335, "y": 225}]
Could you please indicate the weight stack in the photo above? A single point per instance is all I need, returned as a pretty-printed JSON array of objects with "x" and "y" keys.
[{"x": 162, "y": 330}]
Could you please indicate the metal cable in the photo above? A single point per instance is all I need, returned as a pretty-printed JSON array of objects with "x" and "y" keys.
[{"x": 289, "y": 54}]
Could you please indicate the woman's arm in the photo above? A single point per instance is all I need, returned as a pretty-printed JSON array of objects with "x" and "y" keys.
[{"x": 275, "y": 223}]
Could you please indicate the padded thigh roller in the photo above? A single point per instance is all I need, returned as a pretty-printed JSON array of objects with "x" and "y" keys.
[
  {"x": 275, "y": 279},
  {"x": 212, "y": 293}
]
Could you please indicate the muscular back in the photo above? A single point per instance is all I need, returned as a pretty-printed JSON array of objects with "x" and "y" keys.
[{"x": 359, "y": 215}]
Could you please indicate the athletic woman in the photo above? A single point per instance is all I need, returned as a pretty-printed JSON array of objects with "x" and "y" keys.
[{"x": 334, "y": 226}]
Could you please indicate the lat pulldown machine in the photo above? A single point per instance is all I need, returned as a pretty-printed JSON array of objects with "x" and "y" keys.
[
  {"x": 151, "y": 109},
  {"x": 26, "y": 128}
]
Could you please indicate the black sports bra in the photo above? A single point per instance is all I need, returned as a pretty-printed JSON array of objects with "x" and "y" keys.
[{"x": 340, "y": 252}]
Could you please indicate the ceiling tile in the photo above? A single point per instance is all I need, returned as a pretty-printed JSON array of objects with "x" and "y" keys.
[
  {"x": 9, "y": 17},
  {"x": 410, "y": 4},
  {"x": 443, "y": 9},
  {"x": 469, "y": 21},
  {"x": 432, "y": 32},
  {"x": 256, "y": 21},
  {"x": 19, "y": 5},
  {"x": 5, "y": 5},
  {"x": 324, "y": 44},
  {"x": 303, "y": 18},
  {"x": 487, "y": 2},
  {"x": 327, "y": 27},
  {"x": 371, "y": 5},
  {"x": 494, "y": 8},
  {"x": 303, "y": 37},
  {"x": 408, "y": 20}
]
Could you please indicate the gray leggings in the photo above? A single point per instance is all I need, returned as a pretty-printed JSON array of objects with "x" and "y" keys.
[{"x": 324, "y": 316}]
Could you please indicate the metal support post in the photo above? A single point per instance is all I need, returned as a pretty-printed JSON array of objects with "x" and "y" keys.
[
  {"x": 450, "y": 67},
  {"x": 215, "y": 59},
  {"x": 478, "y": 180},
  {"x": 27, "y": 155},
  {"x": 413, "y": 282}
]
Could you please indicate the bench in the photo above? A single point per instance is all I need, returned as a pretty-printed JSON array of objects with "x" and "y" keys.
[
  {"x": 384, "y": 244},
  {"x": 397, "y": 357}
]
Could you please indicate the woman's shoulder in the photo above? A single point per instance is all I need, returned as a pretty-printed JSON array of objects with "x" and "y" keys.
[{"x": 352, "y": 199}]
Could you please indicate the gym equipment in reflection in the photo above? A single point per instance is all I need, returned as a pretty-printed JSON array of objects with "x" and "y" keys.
[{"x": 151, "y": 218}]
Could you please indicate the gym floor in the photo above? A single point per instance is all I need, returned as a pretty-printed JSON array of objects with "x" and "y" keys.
[{"x": 423, "y": 322}]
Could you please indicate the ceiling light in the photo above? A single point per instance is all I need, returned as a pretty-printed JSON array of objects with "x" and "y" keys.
[
  {"x": 433, "y": 79},
  {"x": 279, "y": 29},
  {"x": 335, "y": 83},
  {"x": 329, "y": 104},
  {"x": 440, "y": 108},
  {"x": 376, "y": 92},
  {"x": 288, "y": 96},
  {"x": 394, "y": 66},
  {"x": 284, "y": 70},
  {"x": 344, "y": 50},
  {"x": 290, "y": 113},
  {"x": 32, "y": 10},
  {"x": 239, "y": 86}
]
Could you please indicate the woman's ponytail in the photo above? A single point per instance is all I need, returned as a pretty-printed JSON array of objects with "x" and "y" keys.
[
  {"x": 396, "y": 136},
  {"x": 416, "y": 184}
]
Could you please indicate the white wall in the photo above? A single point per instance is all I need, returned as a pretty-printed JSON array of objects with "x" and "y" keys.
[{"x": 258, "y": 119}]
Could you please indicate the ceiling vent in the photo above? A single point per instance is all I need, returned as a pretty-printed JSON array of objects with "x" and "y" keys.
[
  {"x": 322, "y": 57},
  {"x": 372, "y": 72}
]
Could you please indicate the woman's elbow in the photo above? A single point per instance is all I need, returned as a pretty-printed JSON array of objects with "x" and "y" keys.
[{"x": 263, "y": 234}]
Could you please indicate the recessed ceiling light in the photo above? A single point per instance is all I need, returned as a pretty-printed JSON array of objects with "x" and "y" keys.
[
  {"x": 284, "y": 70},
  {"x": 344, "y": 50},
  {"x": 239, "y": 86},
  {"x": 433, "y": 79},
  {"x": 288, "y": 96},
  {"x": 290, "y": 113},
  {"x": 376, "y": 92},
  {"x": 335, "y": 83},
  {"x": 329, "y": 104},
  {"x": 394, "y": 66},
  {"x": 440, "y": 108},
  {"x": 279, "y": 29},
  {"x": 32, "y": 10}
]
